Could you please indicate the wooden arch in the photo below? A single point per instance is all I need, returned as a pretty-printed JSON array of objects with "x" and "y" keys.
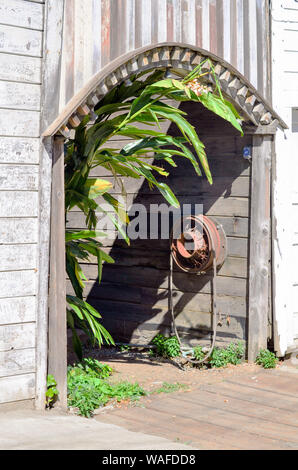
[{"x": 252, "y": 105}]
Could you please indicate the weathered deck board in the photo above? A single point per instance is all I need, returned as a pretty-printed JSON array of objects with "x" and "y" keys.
[
  {"x": 221, "y": 415},
  {"x": 260, "y": 396},
  {"x": 282, "y": 384}
]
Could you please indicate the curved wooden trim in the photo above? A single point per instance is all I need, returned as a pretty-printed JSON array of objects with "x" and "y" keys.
[{"x": 162, "y": 55}]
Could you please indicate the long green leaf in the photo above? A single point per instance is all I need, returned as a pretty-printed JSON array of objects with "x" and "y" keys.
[
  {"x": 219, "y": 107},
  {"x": 83, "y": 234},
  {"x": 188, "y": 130},
  {"x": 116, "y": 224},
  {"x": 95, "y": 187}
]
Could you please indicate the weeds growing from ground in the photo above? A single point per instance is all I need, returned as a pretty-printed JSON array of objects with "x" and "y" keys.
[
  {"x": 198, "y": 353},
  {"x": 232, "y": 354},
  {"x": 89, "y": 388},
  {"x": 92, "y": 367},
  {"x": 266, "y": 359},
  {"x": 52, "y": 391},
  {"x": 220, "y": 357},
  {"x": 166, "y": 347}
]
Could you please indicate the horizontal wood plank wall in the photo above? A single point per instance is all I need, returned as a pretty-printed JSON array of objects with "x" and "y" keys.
[
  {"x": 133, "y": 295},
  {"x": 98, "y": 31},
  {"x": 21, "y": 25}
]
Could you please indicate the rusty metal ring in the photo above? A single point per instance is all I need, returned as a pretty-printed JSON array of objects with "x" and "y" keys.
[{"x": 192, "y": 247}]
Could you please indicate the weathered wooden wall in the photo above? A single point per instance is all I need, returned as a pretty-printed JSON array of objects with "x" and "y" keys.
[
  {"x": 21, "y": 39},
  {"x": 285, "y": 194},
  {"x": 98, "y": 31},
  {"x": 133, "y": 295}
]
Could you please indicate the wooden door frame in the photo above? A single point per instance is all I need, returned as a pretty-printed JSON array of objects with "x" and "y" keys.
[
  {"x": 259, "y": 299},
  {"x": 57, "y": 325},
  {"x": 259, "y": 257}
]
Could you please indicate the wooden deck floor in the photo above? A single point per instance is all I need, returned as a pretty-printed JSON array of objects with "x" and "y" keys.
[{"x": 257, "y": 411}]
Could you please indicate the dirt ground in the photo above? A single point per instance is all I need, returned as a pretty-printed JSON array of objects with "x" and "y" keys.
[{"x": 151, "y": 373}]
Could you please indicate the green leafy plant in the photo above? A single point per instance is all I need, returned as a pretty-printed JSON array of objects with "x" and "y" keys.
[
  {"x": 266, "y": 359},
  {"x": 166, "y": 347},
  {"x": 198, "y": 353},
  {"x": 91, "y": 367},
  {"x": 232, "y": 354},
  {"x": 120, "y": 112},
  {"x": 52, "y": 391},
  {"x": 88, "y": 387},
  {"x": 86, "y": 319}
]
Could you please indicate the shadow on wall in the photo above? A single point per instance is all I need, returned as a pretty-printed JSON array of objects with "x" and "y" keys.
[{"x": 133, "y": 295}]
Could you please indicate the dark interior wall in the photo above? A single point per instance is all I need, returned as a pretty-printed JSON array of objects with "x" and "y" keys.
[{"x": 133, "y": 294}]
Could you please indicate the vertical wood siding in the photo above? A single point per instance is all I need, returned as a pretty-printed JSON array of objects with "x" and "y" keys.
[
  {"x": 21, "y": 25},
  {"x": 285, "y": 205},
  {"x": 96, "y": 32}
]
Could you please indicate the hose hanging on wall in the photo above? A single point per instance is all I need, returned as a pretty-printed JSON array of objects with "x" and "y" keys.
[{"x": 198, "y": 244}]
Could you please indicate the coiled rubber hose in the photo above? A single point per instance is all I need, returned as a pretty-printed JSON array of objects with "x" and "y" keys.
[{"x": 214, "y": 311}]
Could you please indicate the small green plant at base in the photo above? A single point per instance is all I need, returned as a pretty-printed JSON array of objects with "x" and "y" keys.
[
  {"x": 88, "y": 387},
  {"x": 198, "y": 353},
  {"x": 232, "y": 354},
  {"x": 167, "y": 347},
  {"x": 170, "y": 388},
  {"x": 52, "y": 391},
  {"x": 92, "y": 367},
  {"x": 267, "y": 359}
]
